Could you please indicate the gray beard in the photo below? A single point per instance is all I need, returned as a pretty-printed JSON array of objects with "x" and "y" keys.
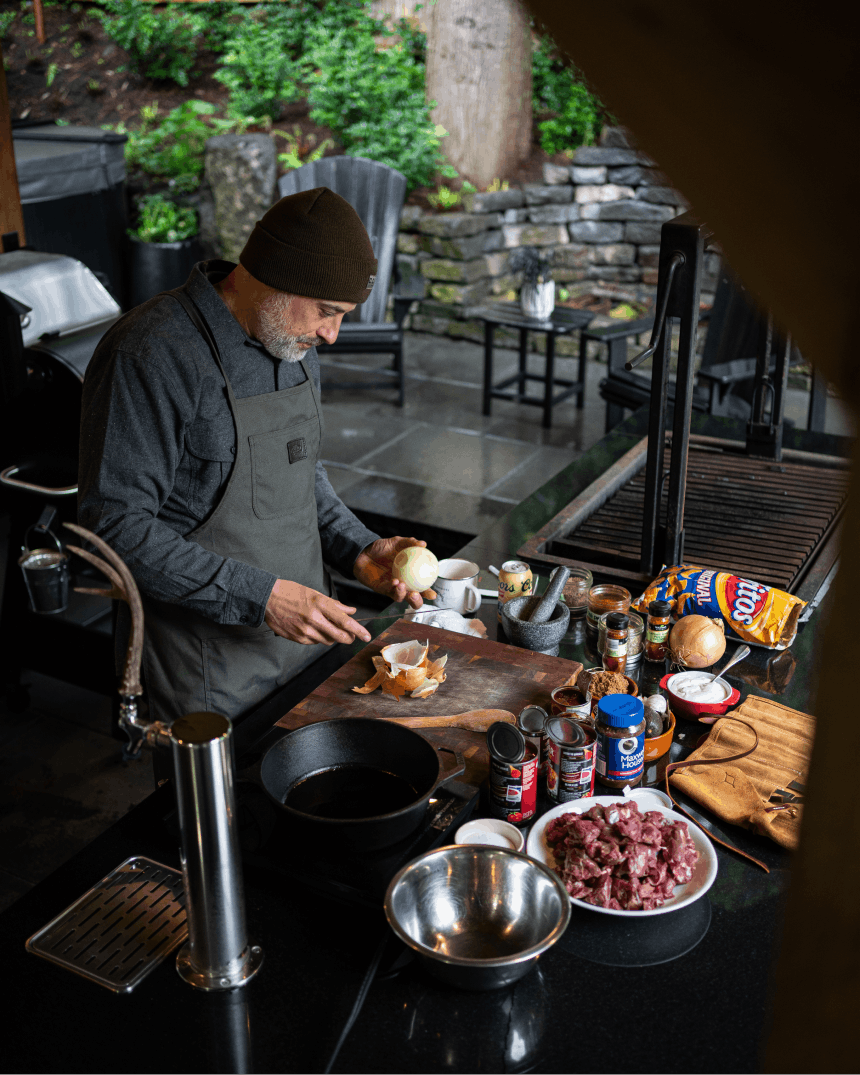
[{"x": 270, "y": 332}]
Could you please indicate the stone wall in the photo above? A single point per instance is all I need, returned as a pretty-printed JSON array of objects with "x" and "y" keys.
[{"x": 600, "y": 217}]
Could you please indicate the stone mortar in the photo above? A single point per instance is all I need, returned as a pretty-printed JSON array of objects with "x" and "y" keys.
[{"x": 541, "y": 637}]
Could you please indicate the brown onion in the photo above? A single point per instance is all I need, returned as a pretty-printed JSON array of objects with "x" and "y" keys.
[{"x": 697, "y": 642}]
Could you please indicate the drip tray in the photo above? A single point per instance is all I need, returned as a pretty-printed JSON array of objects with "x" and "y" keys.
[{"x": 121, "y": 929}]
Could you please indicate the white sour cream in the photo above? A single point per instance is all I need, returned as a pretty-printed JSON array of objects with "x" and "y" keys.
[{"x": 699, "y": 687}]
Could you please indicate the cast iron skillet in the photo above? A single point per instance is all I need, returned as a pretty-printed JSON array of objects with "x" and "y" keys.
[{"x": 359, "y": 741}]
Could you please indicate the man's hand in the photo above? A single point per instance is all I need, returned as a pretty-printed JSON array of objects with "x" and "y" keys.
[
  {"x": 374, "y": 567},
  {"x": 306, "y": 616}
]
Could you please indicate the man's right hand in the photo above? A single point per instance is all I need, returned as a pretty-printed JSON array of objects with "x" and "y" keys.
[{"x": 306, "y": 616}]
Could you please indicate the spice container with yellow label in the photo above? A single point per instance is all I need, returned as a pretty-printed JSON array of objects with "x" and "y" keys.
[
  {"x": 615, "y": 646},
  {"x": 657, "y": 632}
]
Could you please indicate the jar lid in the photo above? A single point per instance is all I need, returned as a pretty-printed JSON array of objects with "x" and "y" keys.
[
  {"x": 569, "y": 732},
  {"x": 620, "y": 710},
  {"x": 617, "y": 621},
  {"x": 506, "y": 742},
  {"x": 532, "y": 720},
  {"x": 659, "y": 608}
]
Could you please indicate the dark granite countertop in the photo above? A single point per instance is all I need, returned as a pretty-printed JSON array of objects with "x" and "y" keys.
[{"x": 661, "y": 1011}]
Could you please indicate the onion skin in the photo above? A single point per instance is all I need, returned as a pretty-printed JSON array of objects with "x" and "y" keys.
[{"x": 697, "y": 642}]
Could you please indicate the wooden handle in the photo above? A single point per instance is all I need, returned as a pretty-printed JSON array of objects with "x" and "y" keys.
[{"x": 475, "y": 720}]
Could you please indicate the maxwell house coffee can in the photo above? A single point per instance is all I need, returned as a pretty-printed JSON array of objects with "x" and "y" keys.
[{"x": 513, "y": 774}]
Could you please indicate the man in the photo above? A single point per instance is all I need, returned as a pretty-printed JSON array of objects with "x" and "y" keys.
[{"x": 200, "y": 436}]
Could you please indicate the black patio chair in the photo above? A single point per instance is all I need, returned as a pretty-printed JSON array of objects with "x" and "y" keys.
[
  {"x": 377, "y": 193},
  {"x": 725, "y": 380}
]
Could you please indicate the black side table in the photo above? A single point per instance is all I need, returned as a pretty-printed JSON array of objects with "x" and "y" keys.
[{"x": 561, "y": 322}]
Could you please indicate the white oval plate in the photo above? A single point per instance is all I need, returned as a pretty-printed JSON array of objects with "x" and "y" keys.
[{"x": 704, "y": 871}]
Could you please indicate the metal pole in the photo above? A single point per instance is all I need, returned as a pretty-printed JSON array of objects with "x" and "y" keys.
[{"x": 217, "y": 955}]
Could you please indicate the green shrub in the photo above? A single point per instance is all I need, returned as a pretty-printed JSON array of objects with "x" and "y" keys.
[
  {"x": 163, "y": 221},
  {"x": 160, "y": 43},
  {"x": 260, "y": 62},
  {"x": 173, "y": 149},
  {"x": 557, "y": 87},
  {"x": 373, "y": 100}
]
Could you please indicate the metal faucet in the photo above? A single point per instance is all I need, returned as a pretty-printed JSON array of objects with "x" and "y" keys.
[{"x": 217, "y": 954}]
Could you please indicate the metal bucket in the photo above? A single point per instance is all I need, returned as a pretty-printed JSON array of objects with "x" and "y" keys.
[{"x": 46, "y": 575}]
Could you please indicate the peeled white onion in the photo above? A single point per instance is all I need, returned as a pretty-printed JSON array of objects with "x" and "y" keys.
[
  {"x": 697, "y": 642},
  {"x": 417, "y": 567}
]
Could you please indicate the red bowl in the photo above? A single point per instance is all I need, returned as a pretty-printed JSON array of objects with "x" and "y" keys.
[{"x": 694, "y": 710}]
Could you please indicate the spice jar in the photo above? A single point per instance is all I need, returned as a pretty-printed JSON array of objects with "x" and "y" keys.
[
  {"x": 620, "y": 728},
  {"x": 604, "y": 598},
  {"x": 635, "y": 638},
  {"x": 657, "y": 632},
  {"x": 615, "y": 651}
]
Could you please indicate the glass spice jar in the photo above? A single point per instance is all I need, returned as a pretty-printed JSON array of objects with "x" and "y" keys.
[
  {"x": 657, "y": 632},
  {"x": 615, "y": 650},
  {"x": 635, "y": 638},
  {"x": 604, "y": 598}
]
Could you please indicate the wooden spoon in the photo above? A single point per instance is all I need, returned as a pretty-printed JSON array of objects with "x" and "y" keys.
[{"x": 475, "y": 720}]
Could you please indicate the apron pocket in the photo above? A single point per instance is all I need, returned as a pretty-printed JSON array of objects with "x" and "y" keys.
[{"x": 283, "y": 471}]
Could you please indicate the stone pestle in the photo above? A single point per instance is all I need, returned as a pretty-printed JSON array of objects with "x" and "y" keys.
[{"x": 550, "y": 599}]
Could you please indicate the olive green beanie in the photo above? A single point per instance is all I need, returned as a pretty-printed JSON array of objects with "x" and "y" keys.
[{"x": 312, "y": 243}]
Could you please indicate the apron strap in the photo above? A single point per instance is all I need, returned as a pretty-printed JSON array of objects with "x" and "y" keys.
[{"x": 201, "y": 325}]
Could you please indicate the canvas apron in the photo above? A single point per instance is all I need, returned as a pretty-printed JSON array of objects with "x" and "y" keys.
[{"x": 266, "y": 517}]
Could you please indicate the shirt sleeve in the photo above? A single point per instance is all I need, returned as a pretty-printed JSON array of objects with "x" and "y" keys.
[{"x": 133, "y": 422}]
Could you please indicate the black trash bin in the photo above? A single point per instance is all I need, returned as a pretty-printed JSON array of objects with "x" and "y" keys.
[{"x": 72, "y": 185}]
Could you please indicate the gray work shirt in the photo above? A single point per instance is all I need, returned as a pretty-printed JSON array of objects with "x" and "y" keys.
[{"x": 158, "y": 443}]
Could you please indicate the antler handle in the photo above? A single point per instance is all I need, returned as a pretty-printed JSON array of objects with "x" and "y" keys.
[{"x": 125, "y": 588}]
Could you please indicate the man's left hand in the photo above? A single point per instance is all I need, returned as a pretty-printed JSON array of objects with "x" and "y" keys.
[{"x": 374, "y": 566}]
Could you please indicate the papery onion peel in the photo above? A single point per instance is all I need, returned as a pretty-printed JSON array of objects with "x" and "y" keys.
[{"x": 697, "y": 642}]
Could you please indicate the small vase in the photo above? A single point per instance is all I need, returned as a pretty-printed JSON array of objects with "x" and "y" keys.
[{"x": 538, "y": 300}]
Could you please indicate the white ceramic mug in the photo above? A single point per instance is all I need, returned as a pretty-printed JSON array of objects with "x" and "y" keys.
[{"x": 456, "y": 586}]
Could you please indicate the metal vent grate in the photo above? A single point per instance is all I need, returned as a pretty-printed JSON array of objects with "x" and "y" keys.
[
  {"x": 760, "y": 519},
  {"x": 121, "y": 929}
]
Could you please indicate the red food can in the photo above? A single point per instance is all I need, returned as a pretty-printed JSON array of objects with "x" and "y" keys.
[
  {"x": 570, "y": 759},
  {"x": 513, "y": 774}
]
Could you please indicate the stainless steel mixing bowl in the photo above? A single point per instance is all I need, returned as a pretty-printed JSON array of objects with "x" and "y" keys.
[{"x": 478, "y": 916}]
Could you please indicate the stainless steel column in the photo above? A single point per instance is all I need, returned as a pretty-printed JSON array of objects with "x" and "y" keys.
[{"x": 217, "y": 954}]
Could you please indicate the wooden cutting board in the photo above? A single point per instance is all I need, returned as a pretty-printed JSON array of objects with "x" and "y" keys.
[{"x": 481, "y": 675}]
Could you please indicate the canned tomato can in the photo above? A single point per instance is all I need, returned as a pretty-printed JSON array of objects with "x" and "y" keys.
[
  {"x": 515, "y": 580},
  {"x": 532, "y": 723},
  {"x": 513, "y": 774},
  {"x": 570, "y": 759}
]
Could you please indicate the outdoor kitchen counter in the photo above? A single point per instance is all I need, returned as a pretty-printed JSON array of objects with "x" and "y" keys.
[{"x": 703, "y": 1011}]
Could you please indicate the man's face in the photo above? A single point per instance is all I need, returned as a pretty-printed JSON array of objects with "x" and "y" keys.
[{"x": 289, "y": 325}]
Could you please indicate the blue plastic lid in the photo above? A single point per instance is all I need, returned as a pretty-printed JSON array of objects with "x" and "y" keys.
[{"x": 620, "y": 710}]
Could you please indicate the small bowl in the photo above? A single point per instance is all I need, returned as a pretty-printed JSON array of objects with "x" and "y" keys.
[
  {"x": 657, "y": 747},
  {"x": 472, "y": 831},
  {"x": 632, "y": 688},
  {"x": 694, "y": 710},
  {"x": 479, "y": 917}
]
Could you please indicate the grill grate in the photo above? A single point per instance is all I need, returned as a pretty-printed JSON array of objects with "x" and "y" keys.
[
  {"x": 121, "y": 929},
  {"x": 759, "y": 519}
]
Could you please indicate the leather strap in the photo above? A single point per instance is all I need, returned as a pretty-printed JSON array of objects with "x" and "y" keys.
[{"x": 673, "y": 766}]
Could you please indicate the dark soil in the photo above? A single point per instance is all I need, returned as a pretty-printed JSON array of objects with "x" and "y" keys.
[{"x": 90, "y": 88}]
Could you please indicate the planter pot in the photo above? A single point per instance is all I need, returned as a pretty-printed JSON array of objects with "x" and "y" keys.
[
  {"x": 538, "y": 300},
  {"x": 155, "y": 267}
]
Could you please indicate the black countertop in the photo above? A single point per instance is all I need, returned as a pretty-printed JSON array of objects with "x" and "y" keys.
[{"x": 691, "y": 993}]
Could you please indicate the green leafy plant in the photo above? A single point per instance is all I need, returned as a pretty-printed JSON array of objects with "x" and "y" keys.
[
  {"x": 161, "y": 44},
  {"x": 163, "y": 221},
  {"x": 6, "y": 20},
  {"x": 577, "y": 115},
  {"x": 445, "y": 198},
  {"x": 260, "y": 62},
  {"x": 51, "y": 73},
  {"x": 373, "y": 99},
  {"x": 301, "y": 149},
  {"x": 173, "y": 148}
]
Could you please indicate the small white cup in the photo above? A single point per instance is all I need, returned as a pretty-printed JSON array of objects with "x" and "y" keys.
[{"x": 455, "y": 586}]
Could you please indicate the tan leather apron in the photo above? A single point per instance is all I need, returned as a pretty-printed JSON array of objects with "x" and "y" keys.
[{"x": 267, "y": 517}]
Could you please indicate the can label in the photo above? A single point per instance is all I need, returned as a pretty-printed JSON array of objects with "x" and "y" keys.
[
  {"x": 657, "y": 634},
  {"x": 621, "y": 759},
  {"x": 616, "y": 647},
  {"x": 569, "y": 771},
  {"x": 513, "y": 788}
]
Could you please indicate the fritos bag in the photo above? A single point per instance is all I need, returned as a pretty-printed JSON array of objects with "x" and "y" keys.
[{"x": 749, "y": 610}]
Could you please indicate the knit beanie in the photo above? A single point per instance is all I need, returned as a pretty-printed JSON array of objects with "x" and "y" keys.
[{"x": 312, "y": 243}]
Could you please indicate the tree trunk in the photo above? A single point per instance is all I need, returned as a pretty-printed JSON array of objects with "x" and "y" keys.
[{"x": 479, "y": 74}]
